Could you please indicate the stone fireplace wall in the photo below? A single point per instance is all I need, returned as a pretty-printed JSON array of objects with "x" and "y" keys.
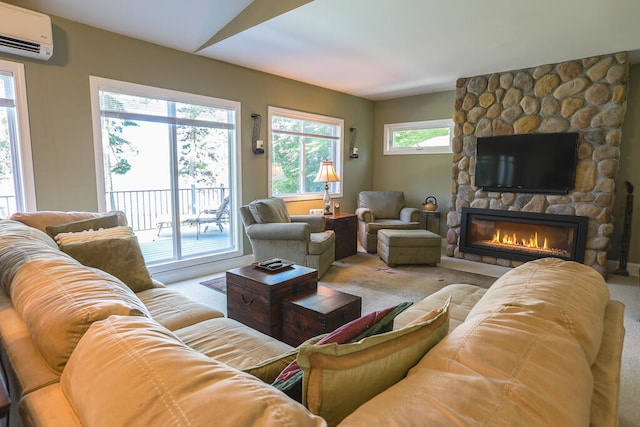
[{"x": 586, "y": 96}]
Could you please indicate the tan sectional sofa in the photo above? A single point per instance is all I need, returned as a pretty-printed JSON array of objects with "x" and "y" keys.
[{"x": 541, "y": 347}]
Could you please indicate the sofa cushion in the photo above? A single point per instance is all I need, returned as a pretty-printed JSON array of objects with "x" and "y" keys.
[
  {"x": 106, "y": 221},
  {"x": 269, "y": 210},
  {"x": 13, "y": 256},
  {"x": 41, "y": 219},
  {"x": 167, "y": 383},
  {"x": 59, "y": 299},
  {"x": 114, "y": 250},
  {"x": 463, "y": 298},
  {"x": 15, "y": 231},
  {"x": 339, "y": 378},
  {"x": 578, "y": 305},
  {"x": 232, "y": 342},
  {"x": 30, "y": 368},
  {"x": 173, "y": 310},
  {"x": 390, "y": 224},
  {"x": 504, "y": 368},
  {"x": 385, "y": 204}
]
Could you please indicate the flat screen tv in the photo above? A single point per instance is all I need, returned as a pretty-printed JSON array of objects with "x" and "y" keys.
[{"x": 528, "y": 163}]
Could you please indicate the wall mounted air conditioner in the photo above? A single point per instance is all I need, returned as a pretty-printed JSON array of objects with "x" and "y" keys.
[{"x": 25, "y": 32}]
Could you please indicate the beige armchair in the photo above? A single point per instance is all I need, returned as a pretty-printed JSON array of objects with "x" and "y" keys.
[
  {"x": 378, "y": 210},
  {"x": 274, "y": 233}
]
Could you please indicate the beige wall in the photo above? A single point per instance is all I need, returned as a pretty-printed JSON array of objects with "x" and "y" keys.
[
  {"x": 418, "y": 175},
  {"x": 60, "y": 114}
]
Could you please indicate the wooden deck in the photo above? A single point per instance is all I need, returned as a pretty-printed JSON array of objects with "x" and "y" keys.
[{"x": 161, "y": 248}]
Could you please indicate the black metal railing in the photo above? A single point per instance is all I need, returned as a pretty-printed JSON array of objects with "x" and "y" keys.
[{"x": 144, "y": 208}]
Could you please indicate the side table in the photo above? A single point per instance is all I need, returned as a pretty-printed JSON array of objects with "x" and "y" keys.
[
  {"x": 345, "y": 226},
  {"x": 255, "y": 295},
  {"x": 429, "y": 218}
]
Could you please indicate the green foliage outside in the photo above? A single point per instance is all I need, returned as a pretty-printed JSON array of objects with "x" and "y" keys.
[
  {"x": 297, "y": 158},
  {"x": 410, "y": 138}
]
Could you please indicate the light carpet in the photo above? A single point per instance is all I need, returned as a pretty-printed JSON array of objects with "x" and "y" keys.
[{"x": 381, "y": 286}]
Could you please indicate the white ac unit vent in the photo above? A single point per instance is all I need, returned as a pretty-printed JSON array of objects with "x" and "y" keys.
[{"x": 25, "y": 32}]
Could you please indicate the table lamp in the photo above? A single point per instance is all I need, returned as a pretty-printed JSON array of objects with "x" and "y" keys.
[{"x": 327, "y": 174}]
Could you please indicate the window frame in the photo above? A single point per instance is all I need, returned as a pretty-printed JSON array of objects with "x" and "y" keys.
[
  {"x": 182, "y": 268},
  {"x": 338, "y": 161},
  {"x": 23, "y": 164},
  {"x": 389, "y": 129}
]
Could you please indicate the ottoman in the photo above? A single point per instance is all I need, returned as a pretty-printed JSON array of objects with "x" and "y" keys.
[{"x": 409, "y": 247}]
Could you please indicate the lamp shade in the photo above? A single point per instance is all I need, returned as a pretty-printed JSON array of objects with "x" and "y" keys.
[{"x": 327, "y": 173}]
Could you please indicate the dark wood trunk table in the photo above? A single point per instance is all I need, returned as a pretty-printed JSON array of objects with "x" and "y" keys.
[
  {"x": 255, "y": 295},
  {"x": 307, "y": 316}
]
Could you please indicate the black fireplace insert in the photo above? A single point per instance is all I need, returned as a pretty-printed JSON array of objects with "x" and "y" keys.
[{"x": 523, "y": 236}]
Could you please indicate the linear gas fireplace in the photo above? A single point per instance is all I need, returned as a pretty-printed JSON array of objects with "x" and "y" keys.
[{"x": 522, "y": 236}]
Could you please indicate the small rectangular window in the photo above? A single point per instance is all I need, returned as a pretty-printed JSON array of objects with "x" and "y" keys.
[{"x": 425, "y": 137}]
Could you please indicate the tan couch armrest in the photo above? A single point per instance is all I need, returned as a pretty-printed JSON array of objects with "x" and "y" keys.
[{"x": 606, "y": 369}]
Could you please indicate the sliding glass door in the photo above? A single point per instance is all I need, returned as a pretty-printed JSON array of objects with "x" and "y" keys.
[{"x": 169, "y": 162}]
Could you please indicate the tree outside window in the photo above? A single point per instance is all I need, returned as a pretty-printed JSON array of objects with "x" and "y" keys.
[{"x": 299, "y": 143}]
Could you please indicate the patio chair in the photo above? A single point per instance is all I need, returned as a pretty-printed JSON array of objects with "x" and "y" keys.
[{"x": 218, "y": 216}]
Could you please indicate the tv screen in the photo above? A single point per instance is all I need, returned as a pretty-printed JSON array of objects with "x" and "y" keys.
[{"x": 528, "y": 163}]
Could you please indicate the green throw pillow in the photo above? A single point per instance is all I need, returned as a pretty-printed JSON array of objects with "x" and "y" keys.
[
  {"x": 107, "y": 221},
  {"x": 119, "y": 256},
  {"x": 290, "y": 379},
  {"x": 338, "y": 378}
]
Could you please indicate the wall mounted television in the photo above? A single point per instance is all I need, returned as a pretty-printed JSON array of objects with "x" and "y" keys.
[{"x": 527, "y": 163}]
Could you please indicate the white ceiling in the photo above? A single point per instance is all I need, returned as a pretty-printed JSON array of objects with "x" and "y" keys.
[{"x": 376, "y": 49}]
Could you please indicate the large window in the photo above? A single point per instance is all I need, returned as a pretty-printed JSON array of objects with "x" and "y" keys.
[
  {"x": 425, "y": 137},
  {"x": 17, "y": 191},
  {"x": 299, "y": 142},
  {"x": 169, "y": 161}
]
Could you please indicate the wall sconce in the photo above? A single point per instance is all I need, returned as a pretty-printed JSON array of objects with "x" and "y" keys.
[
  {"x": 257, "y": 145},
  {"x": 353, "y": 150}
]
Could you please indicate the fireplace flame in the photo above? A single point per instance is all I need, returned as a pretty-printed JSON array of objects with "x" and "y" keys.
[{"x": 512, "y": 239}]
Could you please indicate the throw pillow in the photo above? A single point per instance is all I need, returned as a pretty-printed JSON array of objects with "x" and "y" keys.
[
  {"x": 269, "y": 210},
  {"x": 107, "y": 221},
  {"x": 373, "y": 323},
  {"x": 337, "y": 379},
  {"x": 114, "y": 250},
  {"x": 269, "y": 369}
]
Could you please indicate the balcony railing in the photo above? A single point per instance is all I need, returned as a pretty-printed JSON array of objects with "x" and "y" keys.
[{"x": 144, "y": 207}]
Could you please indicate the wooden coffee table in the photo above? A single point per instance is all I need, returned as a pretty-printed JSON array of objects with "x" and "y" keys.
[
  {"x": 255, "y": 295},
  {"x": 306, "y": 316}
]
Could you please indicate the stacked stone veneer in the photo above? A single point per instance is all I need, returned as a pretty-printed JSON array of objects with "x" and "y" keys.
[{"x": 586, "y": 96}]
